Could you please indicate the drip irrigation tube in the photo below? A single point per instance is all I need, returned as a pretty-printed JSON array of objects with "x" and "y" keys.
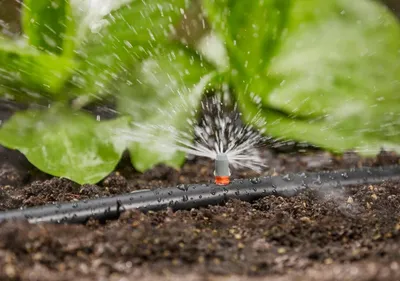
[{"x": 198, "y": 195}]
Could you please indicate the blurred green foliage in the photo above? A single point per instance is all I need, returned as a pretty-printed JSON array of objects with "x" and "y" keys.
[
  {"x": 332, "y": 78},
  {"x": 324, "y": 72}
]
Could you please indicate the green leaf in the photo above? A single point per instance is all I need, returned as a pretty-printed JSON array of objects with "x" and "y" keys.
[
  {"x": 126, "y": 35},
  {"x": 49, "y": 25},
  {"x": 89, "y": 14},
  {"x": 24, "y": 66},
  {"x": 332, "y": 77},
  {"x": 352, "y": 59},
  {"x": 66, "y": 143},
  {"x": 161, "y": 94},
  {"x": 285, "y": 128},
  {"x": 250, "y": 29},
  {"x": 316, "y": 132}
]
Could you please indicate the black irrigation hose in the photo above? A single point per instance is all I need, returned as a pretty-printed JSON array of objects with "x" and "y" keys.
[{"x": 198, "y": 195}]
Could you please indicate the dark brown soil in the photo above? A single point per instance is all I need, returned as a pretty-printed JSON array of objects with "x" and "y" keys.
[{"x": 352, "y": 234}]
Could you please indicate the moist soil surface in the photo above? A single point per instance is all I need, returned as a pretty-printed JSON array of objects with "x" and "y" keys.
[{"x": 351, "y": 233}]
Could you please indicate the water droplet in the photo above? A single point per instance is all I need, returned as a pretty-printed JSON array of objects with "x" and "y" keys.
[
  {"x": 318, "y": 180},
  {"x": 303, "y": 175},
  {"x": 170, "y": 192},
  {"x": 159, "y": 199},
  {"x": 200, "y": 196},
  {"x": 255, "y": 180},
  {"x": 185, "y": 198},
  {"x": 286, "y": 177},
  {"x": 182, "y": 187},
  {"x": 237, "y": 192},
  {"x": 75, "y": 205},
  {"x": 345, "y": 175},
  {"x": 213, "y": 192}
]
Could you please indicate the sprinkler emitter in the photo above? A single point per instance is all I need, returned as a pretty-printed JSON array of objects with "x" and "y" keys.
[{"x": 222, "y": 173}]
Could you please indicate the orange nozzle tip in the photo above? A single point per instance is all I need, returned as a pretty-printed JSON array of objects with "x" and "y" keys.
[{"x": 222, "y": 180}]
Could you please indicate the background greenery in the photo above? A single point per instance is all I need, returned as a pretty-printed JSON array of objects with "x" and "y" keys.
[{"x": 323, "y": 72}]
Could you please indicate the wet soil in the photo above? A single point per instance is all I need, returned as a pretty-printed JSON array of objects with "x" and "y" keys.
[{"x": 347, "y": 234}]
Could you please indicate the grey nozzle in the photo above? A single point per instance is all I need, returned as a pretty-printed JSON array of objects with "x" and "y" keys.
[{"x": 222, "y": 165}]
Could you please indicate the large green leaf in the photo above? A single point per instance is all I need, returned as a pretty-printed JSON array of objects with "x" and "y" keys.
[
  {"x": 126, "y": 35},
  {"x": 316, "y": 132},
  {"x": 49, "y": 25},
  {"x": 26, "y": 67},
  {"x": 250, "y": 29},
  {"x": 332, "y": 76},
  {"x": 162, "y": 94},
  {"x": 66, "y": 143}
]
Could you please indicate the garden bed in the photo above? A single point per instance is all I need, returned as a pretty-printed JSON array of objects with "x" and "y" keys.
[{"x": 349, "y": 234}]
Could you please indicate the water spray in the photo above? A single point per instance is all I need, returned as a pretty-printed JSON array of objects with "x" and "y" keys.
[
  {"x": 201, "y": 195},
  {"x": 223, "y": 138},
  {"x": 222, "y": 173}
]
